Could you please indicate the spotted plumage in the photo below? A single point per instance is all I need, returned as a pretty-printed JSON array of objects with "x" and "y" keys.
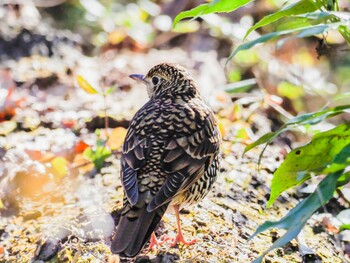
[{"x": 170, "y": 155}]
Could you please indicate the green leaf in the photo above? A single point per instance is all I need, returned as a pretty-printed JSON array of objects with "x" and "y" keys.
[
  {"x": 290, "y": 90},
  {"x": 301, "y": 7},
  {"x": 292, "y": 23},
  {"x": 110, "y": 90},
  {"x": 319, "y": 16},
  {"x": 345, "y": 32},
  {"x": 186, "y": 27},
  {"x": 217, "y": 6},
  {"x": 345, "y": 227},
  {"x": 318, "y": 116},
  {"x": 303, "y": 32},
  {"x": 313, "y": 157},
  {"x": 307, "y": 118},
  {"x": 313, "y": 30},
  {"x": 296, "y": 218},
  {"x": 333, "y": 16},
  {"x": 340, "y": 162},
  {"x": 266, "y": 138},
  {"x": 97, "y": 156},
  {"x": 342, "y": 17},
  {"x": 343, "y": 180},
  {"x": 240, "y": 86},
  {"x": 342, "y": 96}
]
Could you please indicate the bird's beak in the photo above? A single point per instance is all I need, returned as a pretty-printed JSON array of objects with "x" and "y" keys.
[{"x": 138, "y": 77}]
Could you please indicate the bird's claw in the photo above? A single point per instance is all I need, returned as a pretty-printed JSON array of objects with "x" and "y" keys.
[
  {"x": 154, "y": 242},
  {"x": 179, "y": 239}
]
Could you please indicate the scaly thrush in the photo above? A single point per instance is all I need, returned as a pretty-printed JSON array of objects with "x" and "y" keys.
[{"x": 170, "y": 157}]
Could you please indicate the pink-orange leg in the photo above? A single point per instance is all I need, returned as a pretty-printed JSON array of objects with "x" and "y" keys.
[
  {"x": 179, "y": 237},
  {"x": 154, "y": 242}
]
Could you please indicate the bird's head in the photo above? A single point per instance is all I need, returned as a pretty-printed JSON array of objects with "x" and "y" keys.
[{"x": 167, "y": 78}]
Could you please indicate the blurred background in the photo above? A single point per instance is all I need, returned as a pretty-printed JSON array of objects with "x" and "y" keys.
[{"x": 61, "y": 136}]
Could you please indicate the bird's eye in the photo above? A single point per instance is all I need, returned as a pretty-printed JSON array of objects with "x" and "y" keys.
[{"x": 155, "y": 80}]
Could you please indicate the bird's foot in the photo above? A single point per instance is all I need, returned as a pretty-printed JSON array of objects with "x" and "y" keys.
[
  {"x": 179, "y": 239},
  {"x": 154, "y": 242}
]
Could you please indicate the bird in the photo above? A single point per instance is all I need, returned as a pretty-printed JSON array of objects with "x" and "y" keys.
[{"x": 170, "y": 157}]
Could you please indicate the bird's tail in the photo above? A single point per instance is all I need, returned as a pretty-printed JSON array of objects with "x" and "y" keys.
[{"x": 134, "y": 229}]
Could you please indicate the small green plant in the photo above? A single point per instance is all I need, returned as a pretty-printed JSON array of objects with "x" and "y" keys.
[
  {"x": 100, "y": 153},
  {"x": 97, "y": 155}
]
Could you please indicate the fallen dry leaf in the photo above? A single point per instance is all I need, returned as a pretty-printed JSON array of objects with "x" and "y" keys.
[
  {"x": 7, "y": 127},
  {"x": 327, "y": 223},
  {"x": 84, "y": 166},
  {"x": 40, "y": 156},
  {"x": 60, "y": 167},
  {"x": 116, "y": 139}
]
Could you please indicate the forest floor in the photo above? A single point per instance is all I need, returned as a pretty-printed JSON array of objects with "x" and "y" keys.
[
  {"x": 50, "y": 216},
  {"x": 79, "y": 203}
]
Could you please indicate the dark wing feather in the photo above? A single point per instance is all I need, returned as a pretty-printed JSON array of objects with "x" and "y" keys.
[
  {"x": 185, "y": 159},
  {"x": 167, "y": 191},
  {"x": 129, "y": 180},
  {"x": 136, "y": 149}
]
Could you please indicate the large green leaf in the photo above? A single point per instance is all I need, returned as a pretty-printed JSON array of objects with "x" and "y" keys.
[
  {"x": 296, "y": 218},
  {"x": 345, "y": 32},
  {"x": 307, "y": 118},
  {"x": 318, "y": 116},
  {"x": 239, "y": 86},
  {"x": 217, "y": 6},
  {"x": 340, "y": 162},
  {"x": 301, "y": 7},
  {"x": 342, "y": 17},
  {"x": 313, "y": 157},
  {"x": 292, "y": 23},
  {"x": 308, "y": 19},
  {"x": 319, "y": 16},
  {"x": 302, "y": 32},
  {"x": 266, "y": 138}
]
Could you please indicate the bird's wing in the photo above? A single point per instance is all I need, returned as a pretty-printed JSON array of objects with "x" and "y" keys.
[
  {"x": 136, "y": 149},
  {"x": 186, "y": 158}
]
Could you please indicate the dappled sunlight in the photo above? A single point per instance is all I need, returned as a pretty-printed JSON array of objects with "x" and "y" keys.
[{"x": 275, "y": 75}]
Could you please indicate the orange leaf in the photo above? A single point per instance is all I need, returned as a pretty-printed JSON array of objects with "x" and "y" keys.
[
  {"x": 40, "y": 156},
  {"x": 80, "y": 147},
  {"x": 329, "y": 225},
  {"x": 85, "y": 85},
  {"x": 116, "y": 36},
  {"x": 116, "y": 140},
  {"x": 69, "y": 123},
  {"x": 84, "y": 166}
]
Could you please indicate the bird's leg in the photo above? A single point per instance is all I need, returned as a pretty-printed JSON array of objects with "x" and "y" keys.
[
  {"x": 179, "y": 237},
  {"x": 154, "y": 242}
]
